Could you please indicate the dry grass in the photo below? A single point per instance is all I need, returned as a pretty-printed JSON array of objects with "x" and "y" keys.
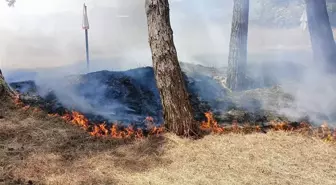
[{"x": 49, "y": 151}]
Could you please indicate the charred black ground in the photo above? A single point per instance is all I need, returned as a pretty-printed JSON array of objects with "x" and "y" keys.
[{"x": 132, "y": 95}]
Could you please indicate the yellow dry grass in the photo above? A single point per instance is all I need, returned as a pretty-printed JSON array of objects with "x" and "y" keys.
[{"x": 49, "y": 151}]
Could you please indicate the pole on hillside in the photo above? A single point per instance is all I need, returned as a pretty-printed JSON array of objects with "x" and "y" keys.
[{"x": 86, "y": 28}]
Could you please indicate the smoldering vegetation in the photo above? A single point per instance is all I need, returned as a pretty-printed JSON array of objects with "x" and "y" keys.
[
  {"x": 277, "y": 91},
  {"x": 284, "y": 82}
]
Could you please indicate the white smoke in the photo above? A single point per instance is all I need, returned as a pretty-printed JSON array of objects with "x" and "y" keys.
[{"x": 52, "y": 36}]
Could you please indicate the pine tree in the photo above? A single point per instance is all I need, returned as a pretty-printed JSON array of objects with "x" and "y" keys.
[
  {"x": 236, "y": 79},
  {"x": 321, "y": 36},
  {"x": 177, "y": 109}
]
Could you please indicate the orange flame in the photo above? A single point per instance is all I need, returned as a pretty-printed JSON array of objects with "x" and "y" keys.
[
  {"x": 130, "y": 131},
  {"x": 157, "y": 130},
  {"x": 80, "y": 120},
  {"x": 102, "y": 130},
  {"x": 279, "y": 125},
  {"x": 139, "y": 134},
  {"x": 211, "y": 124},
  {"x": 95, "y": 131},
  {"x": 209, "y": 118}
]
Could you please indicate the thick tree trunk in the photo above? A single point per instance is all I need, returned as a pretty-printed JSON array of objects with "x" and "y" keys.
[
  {"x": 177, "y": 110},
  {"x": 236, "y": 79},
  {"x": 321, "y": 36}
]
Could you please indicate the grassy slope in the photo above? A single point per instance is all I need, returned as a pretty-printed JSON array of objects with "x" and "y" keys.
[{"x": 49, "y": 151}]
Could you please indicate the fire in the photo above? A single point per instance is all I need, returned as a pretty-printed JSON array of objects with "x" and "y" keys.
[
  {"x": 130, "y": 131},
  {"x": 323, "y": 132},
  {"x": 80, "y": 120},
  {"x": 139, "y": 134},
  {"x": 210, "y": 124},
  {"x": 112, "y": 131},
  {"x": 103, "y": 129},
  {"x": 67, "y": 117},
  {"x": 209, "y": 118},
  {"x": 20, "y": 104},
  {"x": 158, "y": 130},
  {"x": 282, "y": 125}
]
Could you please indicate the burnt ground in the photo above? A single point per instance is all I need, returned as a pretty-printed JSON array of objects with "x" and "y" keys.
[{"x": 130, "y": 96}]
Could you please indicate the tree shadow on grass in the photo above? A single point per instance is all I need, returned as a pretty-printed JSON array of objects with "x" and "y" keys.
[{"x": 51, "y": 147}]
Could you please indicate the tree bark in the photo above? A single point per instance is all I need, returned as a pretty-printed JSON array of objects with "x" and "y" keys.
[
  {"x": 177, "y": 109},
  {"x": 236, "y": 79},
  {"x": 5, "y": 91},
  {"x": 321, "y": 36}
]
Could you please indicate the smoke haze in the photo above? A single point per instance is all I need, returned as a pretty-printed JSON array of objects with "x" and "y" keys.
[
  {"x": 41, "y": 34},
  {"x": 48, "y": 33}
]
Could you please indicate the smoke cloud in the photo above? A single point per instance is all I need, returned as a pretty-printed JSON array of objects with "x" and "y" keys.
[
  {"x": 48, "y": 33},
  {"x": 47, "y": 37},
  {"x": 42, "y": 34}
]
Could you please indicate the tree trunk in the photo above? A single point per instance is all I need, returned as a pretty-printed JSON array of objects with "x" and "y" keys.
[
  {"x": 236, "y": 78},
  {"x": 5, "y": 91},
  {"x": 321, "y": 36},
  {"x": 177, "y": 110}
]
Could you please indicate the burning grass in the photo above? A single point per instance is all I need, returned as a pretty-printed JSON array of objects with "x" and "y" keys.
[
  {"x": 114, "y": 130},
  {"x": 324, "y": 131},
  {"x": 102, "y": 130},
  {"x": 53, "y": 152},
  {"x": 47, "y": 150},
  {"x": 210, "y": 125}
]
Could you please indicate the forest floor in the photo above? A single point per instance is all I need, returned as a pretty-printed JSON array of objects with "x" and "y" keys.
[{"x": 37, "y": 149}]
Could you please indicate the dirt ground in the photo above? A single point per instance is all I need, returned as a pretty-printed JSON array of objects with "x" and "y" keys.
[{"x": 35, "y": 149}]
